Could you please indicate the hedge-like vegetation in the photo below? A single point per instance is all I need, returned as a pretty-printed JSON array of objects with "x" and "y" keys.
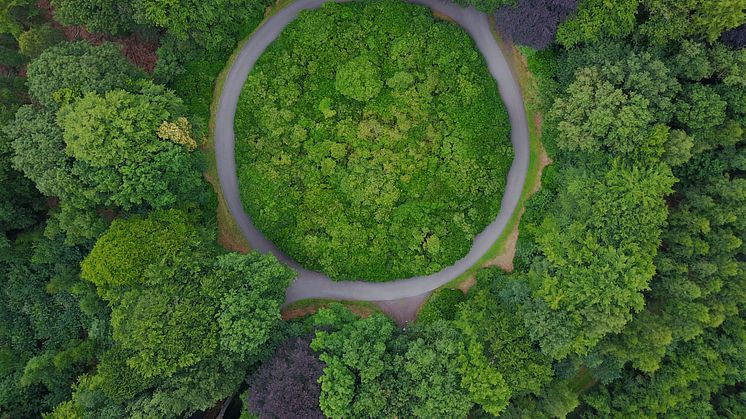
[{"x": 372, "y": 142}]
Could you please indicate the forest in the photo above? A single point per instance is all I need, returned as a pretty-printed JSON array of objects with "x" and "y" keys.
[{"x": 628, "y": 288}]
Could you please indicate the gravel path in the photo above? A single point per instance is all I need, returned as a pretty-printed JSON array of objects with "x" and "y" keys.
[{"x": 311, "y": 284}]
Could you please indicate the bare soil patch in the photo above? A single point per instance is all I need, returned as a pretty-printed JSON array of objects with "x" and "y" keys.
[
  {"x": 404, "y": 310},
  {"x": 295, "y": 312},
  {"x": 138, "y": 50}
]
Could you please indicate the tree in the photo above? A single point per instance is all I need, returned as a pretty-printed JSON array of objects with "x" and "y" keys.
[
  {"x": 287, "y": 385},
  {"x": 533, "y": 22},
  {"x": 442, "y": 305},
  {"x": 20, "y": 202},
  {"x": 47, "y": 340},
  {"x": 597, "y": 18},
  {"x": 360, "y": 372},
  {"x": 494, "y": 332},
  {"x": 599, "y": 234},
  {"x": 35, "y": 40},
  {"x": 487, "y": 6},
  {"x": 716, "y": 16},
  {"x": 684, "y": 384},
  {"x": 213, "y": 25},
  {"x": 70, "y": 70},
  {"x": 109, "y": 16},
  {"x": 39, "y": 151},
  {"x": 673, "y": 20},
  {"x": 120, "y": 258},
  {"x": 678, "y": 148},
  {"x": 359, "y": 79},
  {"x": 378, "y": 165},
  {"x": 596, "y": 115},
  {"x": 701, "y": 108},
  {"x": 436, "y": 385},
  {"x": 693, "y": 61},
  {"x": 13, "y": 16},
  {"x": 113, "y": 137}
]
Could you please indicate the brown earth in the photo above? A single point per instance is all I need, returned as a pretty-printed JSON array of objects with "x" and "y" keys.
[
  {"x": 138, "y": 50},
  {"x": 404, "y": 310},
  {"x": 295, "y": 312}
]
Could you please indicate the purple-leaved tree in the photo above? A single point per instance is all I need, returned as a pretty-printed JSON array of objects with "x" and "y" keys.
[
  {"x": 286, "y": 386},
  {"x": 533, "y": 22},
  {"x": 735, "y": 38}
]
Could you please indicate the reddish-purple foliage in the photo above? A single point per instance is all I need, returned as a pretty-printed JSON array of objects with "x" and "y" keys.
[
  {"x": 735, "y": 38},
  {"x": 533, "y": 22},
  {"x": 287, "y": 385}
]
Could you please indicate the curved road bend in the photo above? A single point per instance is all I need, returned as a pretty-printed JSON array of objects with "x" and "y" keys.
[{"x": 311, "y": 284}]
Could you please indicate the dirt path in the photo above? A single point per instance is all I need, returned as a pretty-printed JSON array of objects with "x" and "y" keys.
[{"x": 311, "y": 284}]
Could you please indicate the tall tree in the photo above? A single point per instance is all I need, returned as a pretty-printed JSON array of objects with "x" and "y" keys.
[
  {"x": 288, "y": 384},
  {"x": 596, "y": 19},
  {"x": 533, "y": 22}
]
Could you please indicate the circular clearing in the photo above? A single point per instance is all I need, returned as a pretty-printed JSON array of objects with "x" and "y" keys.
[
  {"x": 371, "y": 141},
  {"x": 314, "y": 285}
]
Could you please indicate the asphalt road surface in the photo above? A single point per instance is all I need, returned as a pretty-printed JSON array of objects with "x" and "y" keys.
[{"x": 311, "y": 284}]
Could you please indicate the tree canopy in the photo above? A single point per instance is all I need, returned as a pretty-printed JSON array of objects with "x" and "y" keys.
[{"x": 179, "y": 316}]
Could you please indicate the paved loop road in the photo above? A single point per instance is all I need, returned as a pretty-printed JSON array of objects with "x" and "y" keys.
[{"x": 311, "y": 284}]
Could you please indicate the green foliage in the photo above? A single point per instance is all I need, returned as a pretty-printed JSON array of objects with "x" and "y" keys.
[
  {"x": 684, "y": 382},
  {"x": 599, "y": 265},
  {"x": 442, "y": 305},
  {"x": 14, "y": 16},
  {"x": 436, "y": 385},
  {"x": 109, "y": 16},
  {"x": 372, "y": 367},
  {"x": 70, "y": 70},
  {"x": 35, "y": 40},
  {"x": 359, "y": 79},
  {"x": 102, "y": 150},
  {"x": 596, "y": 19},
  {"x": 20, "y": 202},
  {"x": 121, "y": 256},
  {"x": 675, "y": 19},
  {"x": 185, "y": 319},
  {"x": 358, "y": 378},
  {"x": 701, "y": 108},
  {"x": 678, "y": 148},
  {"x": 212, "y": 25},
  {"x": 595, "y": 114},
  {"x": 487, "y": 6},
  {"x": 41, "y": 346},
  {"x": 39, "y": 151},
  {"x": 374, "y": 154},
  {"x": 114, "y": 138},
  {"x": 497, "y": 340}
]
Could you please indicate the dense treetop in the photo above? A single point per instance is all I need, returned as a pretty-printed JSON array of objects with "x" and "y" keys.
[
  {"x": 70, "y": 70},
  {"x": 374, "y": 154}
]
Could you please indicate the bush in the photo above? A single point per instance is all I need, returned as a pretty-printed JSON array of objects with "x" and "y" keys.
[
  {"x": 442, "y": 305},
  {"x": 32, "y": 42}
]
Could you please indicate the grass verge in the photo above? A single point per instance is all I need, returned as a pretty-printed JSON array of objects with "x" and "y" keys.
[{"x": 229, "y": 234}]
